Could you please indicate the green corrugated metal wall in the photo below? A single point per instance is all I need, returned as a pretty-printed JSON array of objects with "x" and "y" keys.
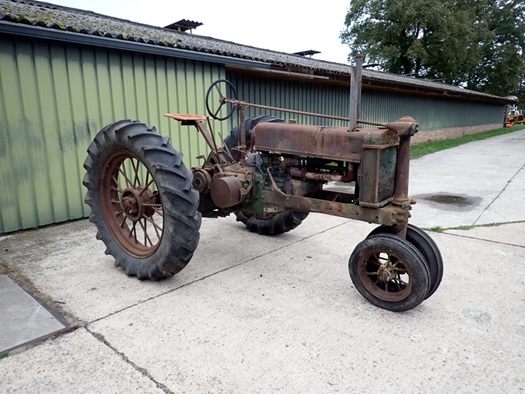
[
  {"x": 308, "y": 97},
  {"x": 54, "y": 98},
  {"x": 431, "y": 112}
]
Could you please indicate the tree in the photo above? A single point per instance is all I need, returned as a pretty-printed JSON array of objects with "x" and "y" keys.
[
  {"x": 477, "y": 44},
  {"x": 502, "y": 68}
]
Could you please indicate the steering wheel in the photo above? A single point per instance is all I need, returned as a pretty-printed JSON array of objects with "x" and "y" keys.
[{"x": 216, "y": 93}]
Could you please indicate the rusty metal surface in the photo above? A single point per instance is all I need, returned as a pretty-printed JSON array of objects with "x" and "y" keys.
[
  {"x": 186, "y": 117},
  {"x": 406, "y": 126},
  {"x": 367, "y": 156},
  {"x": 129, "y": 199},
  {"x": 226, "y": 191},
  {"x": 355, "y": 92},
  {"x": 389, "y": 215},
  {"x": 243, "y": 104},
  {"x": 385, "y": 273},
  {"x": 201, "y": 180},
  {"x": 377, "y": 176},
  {"x": 333, "y": 143},
  {"x": 231, "y": 185},
  {"x": 402, "y": 174},
  {"x": 300, "y": 188},
  {"x": 304, "y": 175},
  {"x": 209, "y": 138},
  {"x": 217, "y": 154}
]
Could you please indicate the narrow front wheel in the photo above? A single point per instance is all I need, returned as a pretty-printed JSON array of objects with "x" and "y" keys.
[
  {"x": 389, "y": 272},
  {"x": 428, "y": 249}
]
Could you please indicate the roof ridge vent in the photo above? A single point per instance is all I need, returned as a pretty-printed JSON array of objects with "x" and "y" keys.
[
  {"x": 309, "y": 53},
  {"x": 183, "y": 25}
]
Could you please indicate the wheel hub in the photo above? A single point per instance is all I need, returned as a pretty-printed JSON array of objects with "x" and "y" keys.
[
  {"x": 135, "y": 202},
  {"x": 387, "y": 272}
]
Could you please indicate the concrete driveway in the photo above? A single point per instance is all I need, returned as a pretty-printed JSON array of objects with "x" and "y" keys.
[{"x": 256, "y": 314}]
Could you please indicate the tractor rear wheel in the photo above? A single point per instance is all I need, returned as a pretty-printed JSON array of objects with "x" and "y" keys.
[
  {"x": 233, "y": 139},
  {"x": 280, "y": 223},
  {"x": 141, "y": 200}
]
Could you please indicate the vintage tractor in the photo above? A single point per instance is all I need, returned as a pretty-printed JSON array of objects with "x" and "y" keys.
[
  {"x": 148, "y": 206},
  {"x": 514, "y": 116}
]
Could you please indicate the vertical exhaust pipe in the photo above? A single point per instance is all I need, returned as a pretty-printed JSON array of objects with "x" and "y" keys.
[{"x": 356, "y": 73}]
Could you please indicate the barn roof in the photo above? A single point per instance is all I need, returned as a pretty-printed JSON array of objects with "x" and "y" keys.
[{"x": 45, "y": 17}]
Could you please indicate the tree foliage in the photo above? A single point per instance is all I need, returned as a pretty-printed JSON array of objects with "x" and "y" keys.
[
  {"x": 477, "y": 44},
  {"x": 501, "y": 70}
]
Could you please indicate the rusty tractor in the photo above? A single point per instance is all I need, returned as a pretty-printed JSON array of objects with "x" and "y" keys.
[{"x": 148, "y": 206}]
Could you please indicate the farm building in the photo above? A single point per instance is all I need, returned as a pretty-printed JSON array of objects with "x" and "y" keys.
[{"x": 66, "y": 73}]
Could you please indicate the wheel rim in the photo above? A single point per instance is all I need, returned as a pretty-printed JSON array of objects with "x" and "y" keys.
[
  {"x": 426, "y": 246},
  {"x": 131, "y": 204},
  {"x": 385, "y": 275}
]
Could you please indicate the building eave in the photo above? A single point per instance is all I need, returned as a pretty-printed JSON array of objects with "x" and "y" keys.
[{"x": 44, "y": 33}]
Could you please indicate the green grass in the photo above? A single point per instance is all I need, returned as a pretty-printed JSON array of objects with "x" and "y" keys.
[
  {"x": 435, "y": 146},
  {"x": 465, "y": 228},
  {"x": 436, "y": 229},
  {"x": 439, "y": 229}
]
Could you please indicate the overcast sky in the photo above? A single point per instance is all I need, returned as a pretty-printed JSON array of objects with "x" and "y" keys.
[{"x": 280, "y": 25}]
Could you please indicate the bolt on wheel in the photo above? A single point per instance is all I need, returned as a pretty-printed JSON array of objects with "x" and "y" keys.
[{"x": 389, "y": 272}]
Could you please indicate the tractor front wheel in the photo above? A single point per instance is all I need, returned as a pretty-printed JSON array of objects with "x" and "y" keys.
[
  {"x": 428, "y": 249},
  {"x": 389, "y": 272}
]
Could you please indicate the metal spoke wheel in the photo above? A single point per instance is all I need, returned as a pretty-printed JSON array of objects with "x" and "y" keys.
[
  {"x": 131, "y": 204},
  {"x": 214, "y": 94},
  {"x": 427, "y": 247},
  {"x": 389, "y": 272},
  {"x": 142, "y": 200}
]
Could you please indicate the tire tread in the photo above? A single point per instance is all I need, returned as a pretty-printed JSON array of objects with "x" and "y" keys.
[{"x": 180, "y": 201}]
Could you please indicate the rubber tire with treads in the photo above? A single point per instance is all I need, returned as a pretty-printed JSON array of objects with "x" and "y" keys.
[
  {"x": 233, "y": 140},
  {"x": 426, "y": 246},
  {"x": 398, "y": 250},
  {"x": 181, "y": 220},
  {"x": 283, "y": 221},
  {"x": 279, "y": 224}
]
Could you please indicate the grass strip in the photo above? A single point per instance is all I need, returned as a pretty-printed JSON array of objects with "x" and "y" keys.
[{"x": 426, "y": 148}]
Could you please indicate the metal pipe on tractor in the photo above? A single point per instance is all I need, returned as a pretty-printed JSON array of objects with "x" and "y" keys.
[{"x": 148, "y": 206}]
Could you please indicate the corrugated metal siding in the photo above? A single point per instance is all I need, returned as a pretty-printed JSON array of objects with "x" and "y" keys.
[
  {"x": 378, "y": 106},
  {"x": 310, "y": 97},
  {"x": 53, "y": 100},
  {"x": 431, "y": 112}
]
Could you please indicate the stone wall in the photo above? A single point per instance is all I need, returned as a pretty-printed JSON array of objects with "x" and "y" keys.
[{"x": 452, "y": 132}]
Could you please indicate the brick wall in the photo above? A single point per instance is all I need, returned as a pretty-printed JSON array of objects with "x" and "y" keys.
[{"x": 452, "y": 132}]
